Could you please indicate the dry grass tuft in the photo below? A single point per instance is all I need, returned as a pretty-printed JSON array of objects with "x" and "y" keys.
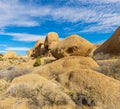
[
  {"x": 11, "y": 72},
  {"x": 3, "y": 85},
  {"x": 43, "y": 92},
  {"x": 111, "y": 69},
  {"x": 22, "y": 90},
  {"x": 101, "y": 56}
]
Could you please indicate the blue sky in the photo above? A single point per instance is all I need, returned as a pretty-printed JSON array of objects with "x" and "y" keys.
[{"x": 22, "y": 22}]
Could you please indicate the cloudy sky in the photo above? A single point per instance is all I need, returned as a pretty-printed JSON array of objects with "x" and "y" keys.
[{"x": 22, "y": 22}]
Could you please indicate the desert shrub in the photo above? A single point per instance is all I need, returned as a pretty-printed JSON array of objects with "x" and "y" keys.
[
  {"x": 37, "y": 62},
  {"x": 11, "y": 72},
  {"x": 1, "y": 55},
  {"x": 3, "y": 85},
  {"x": 23, "y": 60},
  {"x": 101, "y": 56},
  {"x": 1, "y": 59},
  {"x": 47, "y": 94},
  {"x": 46, "y": 61},
  {"x": 10, "y": 68},
  {"x": 21, "y": 90},
  {"x": 59, "y": 107},
  {"x": 41, "y": 56},
  {"x": 55, "y": 96},
  {"x": 85, "y": 97},
  {"x": 111, "y": 69}
]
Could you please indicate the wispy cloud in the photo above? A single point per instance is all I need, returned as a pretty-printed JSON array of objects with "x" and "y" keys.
[
  {"x": 104, "y": 1},
  {"x": 16, "y": 49},
  {"x": 18, "y": 14},
  {"x": 93, "y": 1},
  {"x": 24, "y": 36},
  {"x": 2, "y": 51},
  {"x": 15, "y": 13},
  {"x": 108, "y": 23}
]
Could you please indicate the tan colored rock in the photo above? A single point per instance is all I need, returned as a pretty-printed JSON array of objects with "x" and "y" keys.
[
  {"x": 29, "y": 52},
  {"x": 73, "y": 45},
  {"x": 93, "y": 86},
  {"x": 42, "y": 47},
  {"x": 10, "y": 54},
  {"x": 112, "y": 45},
  {"x": 51, "y": 39},
  {"x": 77, "y": 75},
  {"x": 66, "y": 64},
  {"x": 38, "y": 48},
  {"x": 38, "y": 43}
]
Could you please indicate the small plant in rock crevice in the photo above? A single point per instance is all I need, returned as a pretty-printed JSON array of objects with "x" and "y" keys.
[{"x": 37, "y": 62}]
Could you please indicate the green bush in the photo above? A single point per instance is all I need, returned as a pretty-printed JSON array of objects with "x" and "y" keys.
[{"x": 37, "y": 62}]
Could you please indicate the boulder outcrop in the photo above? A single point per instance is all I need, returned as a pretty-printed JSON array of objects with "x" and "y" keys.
[
  {"x": 42, "y": 47},
  {"x": 38, "y": 49},
  {"x": 86, "y": 86},
  {"x": 73, "y": 45},
  {"x": 10, "y": 54},
  {"x": 51, "y": 40}
]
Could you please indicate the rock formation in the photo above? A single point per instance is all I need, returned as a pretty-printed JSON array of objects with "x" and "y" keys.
[
  {"x": 42, "y": 47},
  {"x": 73, "y": 45},
  {"x": 88, "y": 87},
  {"x": 38, "y": 48},
  {"x": 10, "y": 54},
  {"x": 51, "y": 39},
  {"x": 112, "y": 45}
]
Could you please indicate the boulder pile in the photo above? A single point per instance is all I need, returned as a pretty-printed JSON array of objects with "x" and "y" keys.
[{"x": 43, "y": 47}]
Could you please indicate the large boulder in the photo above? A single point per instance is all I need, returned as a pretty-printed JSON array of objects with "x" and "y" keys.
[
  {"x": 43, "y": 47},
  {"x": 38, "y": 48},
  {"x": 66, "y": 64},
  {"x": 111, "y": 46},
  {"x": 10, "y": 54},
  {"x": 73, "y": 45},
  {"x": 85, "y": 85},
  {"x": 51, "y": 40}
]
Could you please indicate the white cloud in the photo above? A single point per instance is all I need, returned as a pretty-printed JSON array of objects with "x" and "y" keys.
[
  {"x": 14, "y": 13},
  {"x": 105, "y": 1},
  {"x": 17, "y": 49},
  {"x": 108, "y": 23},
  {"x": 24, "y": 36},
  {"x": 74, "y": 14},
  {"x": 98, "y": 28},
  {"x": 2, "y": 51},
  {"x": 94, "y": 1}
]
